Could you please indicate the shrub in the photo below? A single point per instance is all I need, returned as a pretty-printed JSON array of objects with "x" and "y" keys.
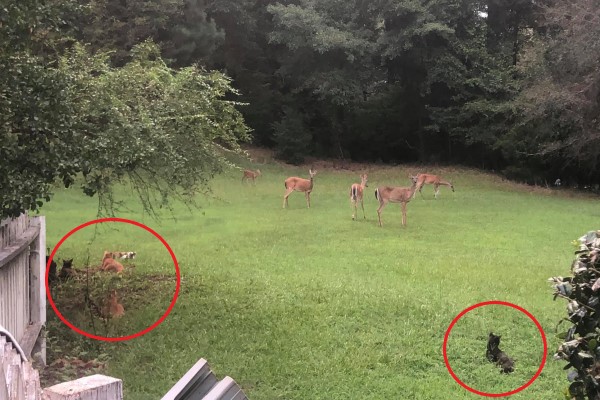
[{"x": 580, "y": 341}]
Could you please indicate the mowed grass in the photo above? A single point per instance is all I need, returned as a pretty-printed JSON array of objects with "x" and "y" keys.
[{"x": 308, "y": 304}]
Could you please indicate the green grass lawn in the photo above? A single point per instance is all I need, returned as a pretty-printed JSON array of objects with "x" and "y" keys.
[{"x": 308, "y": 304}]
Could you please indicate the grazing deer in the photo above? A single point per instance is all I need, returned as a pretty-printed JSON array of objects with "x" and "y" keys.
[
  {"x": 436, "y": 181},
  {"x": 392, "y": 194},
  {"x": 299, "y": 185},
  {"x": 248, "y": 174},
  {"x": 356, "y": 195}
]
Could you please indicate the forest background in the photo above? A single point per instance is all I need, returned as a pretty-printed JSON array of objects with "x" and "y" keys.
[{"x": 506, "y": 85}]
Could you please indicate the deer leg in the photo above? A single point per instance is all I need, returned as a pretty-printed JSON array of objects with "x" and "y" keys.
[
  {"x": 403, "y": 214},
  {"x": 379, "y": 210},
  {"x": 308, "y": 199},
  {"x": 285, "y": 197},
  {"x": 436, "y": 187},
  {"x": 353, "y": 203},
  {"x": 362, "y": 203},
  {"x": 421, "y": 188}
]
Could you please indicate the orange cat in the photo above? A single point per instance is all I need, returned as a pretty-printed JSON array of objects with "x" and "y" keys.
[
  {"x": 113, "y": 309},
  {"x": 111, "y": 265}
]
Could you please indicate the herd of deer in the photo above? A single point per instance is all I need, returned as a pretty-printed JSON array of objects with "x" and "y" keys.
[{"x": 384, "y": 194}]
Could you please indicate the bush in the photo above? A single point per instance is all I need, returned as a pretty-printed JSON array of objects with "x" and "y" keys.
[{"x": 580, "y": 347}]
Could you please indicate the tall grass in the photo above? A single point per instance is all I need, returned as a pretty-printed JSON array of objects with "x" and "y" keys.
[{"x": 308, "y": 304}]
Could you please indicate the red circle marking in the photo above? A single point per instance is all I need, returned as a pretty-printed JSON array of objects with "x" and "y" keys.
[
  {"x": 121, "y": 338},
  {"x": 502, "y": 303}
]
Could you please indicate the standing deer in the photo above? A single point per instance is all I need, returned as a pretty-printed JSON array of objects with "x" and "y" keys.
[
  {"x": 356, "y": 195},
  {"x": 392, "y": 194},
  {"x": 248, "y": 174},
  {"x": 299, "y": 185},
  {"x": 436, "y": 181}
]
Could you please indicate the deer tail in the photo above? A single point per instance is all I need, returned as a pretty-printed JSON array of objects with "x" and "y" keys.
[
  {"x": 353, "y": 193},
  {"x": 377, "y": 193}
]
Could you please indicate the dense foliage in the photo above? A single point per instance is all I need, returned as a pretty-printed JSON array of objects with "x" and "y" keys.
[
  {"x": 509, "y": 85},
  {"x": 580, "y": 347},
  {"x": 74, "y": 113},
  {"x": 490, "y": 83}
]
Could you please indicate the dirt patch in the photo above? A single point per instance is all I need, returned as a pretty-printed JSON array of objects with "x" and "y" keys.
[{"x": 71, "y": 355}]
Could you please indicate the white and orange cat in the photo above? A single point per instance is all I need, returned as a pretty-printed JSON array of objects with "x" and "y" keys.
[{"x": 110, "y": 264}]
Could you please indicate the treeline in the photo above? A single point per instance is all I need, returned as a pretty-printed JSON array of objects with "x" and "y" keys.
[{"x": 509, "y": 85}]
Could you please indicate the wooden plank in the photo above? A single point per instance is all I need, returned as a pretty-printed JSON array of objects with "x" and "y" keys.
[
  {"x": 30, "y": 337},
  {"x": 9, "y": 343},
  {"x": 7, "y": 254},
  {"x": 37, "y": 286},
  {"x": 195, "y": 384},
  {"x": 3, "y": 384},
  {"x": 95, "y": 387},
  {"x": 226, "y": 389},
  {"x": 12, "y": 228},
  {"x": 38, "y": 268},
  {"x": 15, "y": 383},
  {"x": 31, "y": 379}
]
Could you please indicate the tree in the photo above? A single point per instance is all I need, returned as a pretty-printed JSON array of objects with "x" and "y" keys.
[
  {"x": 117, "y": 26},
  {"x": 35, "y": 109},
  {"x": 327, "y": 66},
  {"x": 562, "y": 99},
  {"x": 195, "y": 37},
  {"x": 164, "y": 130}
]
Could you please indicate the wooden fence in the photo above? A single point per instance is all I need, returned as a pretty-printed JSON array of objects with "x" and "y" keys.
[
  {"x": 22, "y": 281},
  {"x": 18, "y": 379}
]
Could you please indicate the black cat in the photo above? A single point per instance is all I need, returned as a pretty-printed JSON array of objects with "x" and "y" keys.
[
  {"x": 66, "y": 271},
  {"x": 52, "y": 271},
  {"x": 494, "y": 354}
]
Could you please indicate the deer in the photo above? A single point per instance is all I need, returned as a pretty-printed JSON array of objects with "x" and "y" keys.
[
  {"x": 403, "y": 195},
  {"x": 249, "y": 174},
  {"x": 299, "y": 185},
  {"x": 356, "y": 195},
  {"x": 435, "y": 180}
]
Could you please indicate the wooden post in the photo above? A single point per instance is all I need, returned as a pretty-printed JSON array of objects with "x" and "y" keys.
[
  {"x": 37, "y": 288},
  {"x": 95, "y": 387}
]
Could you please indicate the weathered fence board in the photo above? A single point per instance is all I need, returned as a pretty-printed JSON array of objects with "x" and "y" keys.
[
  {"x": 22, "y": 286},
  {"x": 18, "y": 379},
  {"x": 94, "y": 387}
]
